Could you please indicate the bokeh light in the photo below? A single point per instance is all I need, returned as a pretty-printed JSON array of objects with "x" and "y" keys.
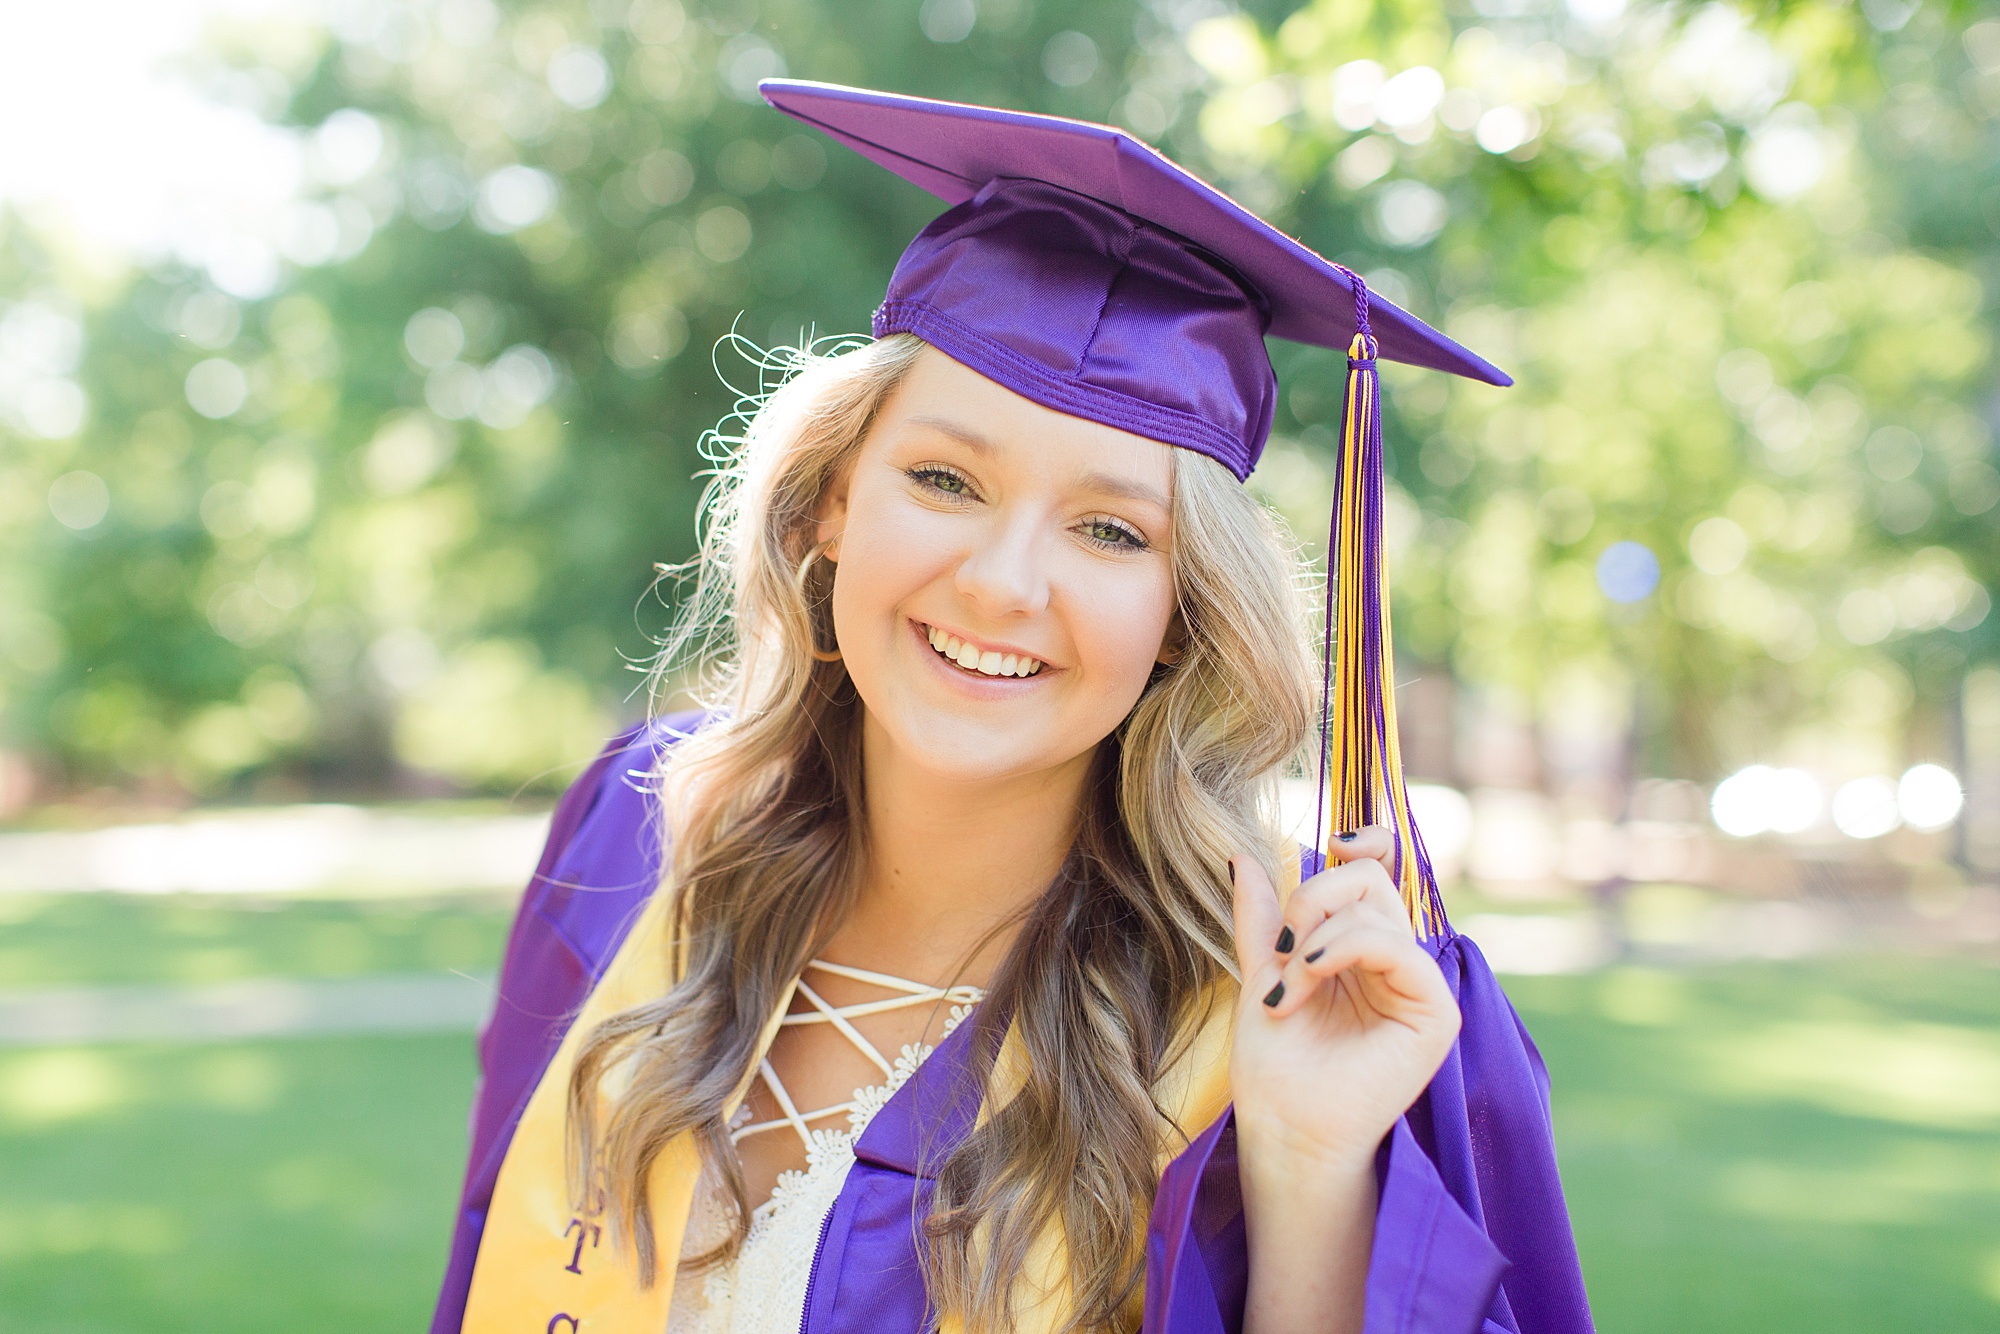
[
  {"x": 1929, "y": 796},
  {"x": 1408, "y": 99},
  {"x": 217, "y": 387},
  {"x": 1628, "y": 572},
  {"x": 1069, "y": 59},
  {"x": 1409, "y": 214},
  {"x": 947, "y": 21},
  {"x": 79, "y": 500},
  {"x": 514, "y": 197},
  {"x": 1764, "y": 800},
  {"x": 1866, "y": 808},
  {"x": 1444, "y": 817},
  {"x": 579, "y": 76},
  {"x": 433, "y": 337},
  {"x": 1718, "y": 545}
]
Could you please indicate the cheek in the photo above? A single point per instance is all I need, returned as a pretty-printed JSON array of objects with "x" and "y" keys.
[
  {"x": 1119, "y": 620},
  {"x": 887, "y": 554}
]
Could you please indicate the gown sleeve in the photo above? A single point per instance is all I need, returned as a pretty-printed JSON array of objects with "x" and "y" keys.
[
  {"x": 1471, "y": 1232},
  {"x": 598, "y": 867}
]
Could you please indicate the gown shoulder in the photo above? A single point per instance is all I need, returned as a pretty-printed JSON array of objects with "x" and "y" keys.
[{"x": 600, "y": 864}]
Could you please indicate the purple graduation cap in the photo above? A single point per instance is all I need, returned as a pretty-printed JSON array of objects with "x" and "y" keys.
[{"x": 1084, "y": 271}]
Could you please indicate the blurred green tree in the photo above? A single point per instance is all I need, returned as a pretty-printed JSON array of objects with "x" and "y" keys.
[
  {"x": 1742, "y": 500},
  {"x": 386, "y": 498},
  {"x": 396, "y": 505}
]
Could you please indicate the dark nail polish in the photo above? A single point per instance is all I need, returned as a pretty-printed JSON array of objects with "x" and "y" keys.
[
  {"x": 1348, "y": 837},
  {"x": 1232, "y": 873},
  {"x": 1286, "y": 940},
  {"x": 1315, "y": 954},
  {"x": 1277, "y": 994}
]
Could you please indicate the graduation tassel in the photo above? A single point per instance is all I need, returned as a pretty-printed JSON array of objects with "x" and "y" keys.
[{"x": 1357, "y": 665}]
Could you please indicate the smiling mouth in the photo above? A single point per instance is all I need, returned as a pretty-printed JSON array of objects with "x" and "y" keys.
[{"x": 967, "y": 657}]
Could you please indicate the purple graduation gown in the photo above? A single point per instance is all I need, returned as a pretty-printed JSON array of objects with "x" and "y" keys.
[{"x": 1471, "y": 1233}]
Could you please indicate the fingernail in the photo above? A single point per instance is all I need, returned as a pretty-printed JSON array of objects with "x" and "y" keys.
[
  {"x": 1277, "y": 994},
  {"x": 1315, "y": 954},
  {"x": 1232, "y": 873},
  {"x": 1348, "y": 837},
  {"x": 1285, "y": 941}
]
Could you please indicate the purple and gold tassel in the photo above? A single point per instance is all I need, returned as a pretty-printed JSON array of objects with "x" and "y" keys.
[{"x": 1357, "y": 665}]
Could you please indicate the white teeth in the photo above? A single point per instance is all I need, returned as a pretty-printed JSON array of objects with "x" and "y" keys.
[{"x": 989, "y": 663}]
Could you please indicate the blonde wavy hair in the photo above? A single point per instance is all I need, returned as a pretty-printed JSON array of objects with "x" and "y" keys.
[{"x": 1111, "y": 968}]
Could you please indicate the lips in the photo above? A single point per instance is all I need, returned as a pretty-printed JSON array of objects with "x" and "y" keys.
[{"x": 976, "y": 659}]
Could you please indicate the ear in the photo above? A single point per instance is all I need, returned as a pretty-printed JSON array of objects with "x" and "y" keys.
[
  {"x": 830, "y": 515},
  {"x": 1173, "y": 644}
]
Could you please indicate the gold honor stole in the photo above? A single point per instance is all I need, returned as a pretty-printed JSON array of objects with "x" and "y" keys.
[{"x": 545, "y": 1266}]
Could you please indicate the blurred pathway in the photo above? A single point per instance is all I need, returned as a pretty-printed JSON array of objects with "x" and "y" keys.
[
  {"x": 287, "y": 849},
  {"x": 259, "y": 1008}
]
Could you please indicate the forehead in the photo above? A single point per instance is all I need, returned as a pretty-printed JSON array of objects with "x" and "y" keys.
[{"x": 941, "y": 396}]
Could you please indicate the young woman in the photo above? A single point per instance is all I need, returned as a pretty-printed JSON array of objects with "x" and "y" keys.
[{"x": 949, "y": 971}]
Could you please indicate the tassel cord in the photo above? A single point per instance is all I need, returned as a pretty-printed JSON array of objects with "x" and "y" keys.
[{"x": 1357, "y": 666}]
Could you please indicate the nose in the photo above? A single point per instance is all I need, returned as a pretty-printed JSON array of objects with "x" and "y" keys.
[{"x": 1006, "y": 573}]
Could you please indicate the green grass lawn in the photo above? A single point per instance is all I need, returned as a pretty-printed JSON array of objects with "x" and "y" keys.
[
  {"x": 55, "y": 940},
  {"x": 296, "y": 1186},
  {"x": 1774, "y": 1147},
  {"x": 1808, "y": 1146}
]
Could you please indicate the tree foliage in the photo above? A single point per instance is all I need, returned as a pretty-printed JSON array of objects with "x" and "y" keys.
[{"x": 387, "y": 496}]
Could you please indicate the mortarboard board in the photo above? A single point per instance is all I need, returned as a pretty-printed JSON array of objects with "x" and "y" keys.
[{"x": 1085, "y": 271}]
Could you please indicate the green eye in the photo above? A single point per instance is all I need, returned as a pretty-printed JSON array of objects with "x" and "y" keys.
[
  {"x": 941, "y": 479},
  {"x": 1107, "y": 533}
]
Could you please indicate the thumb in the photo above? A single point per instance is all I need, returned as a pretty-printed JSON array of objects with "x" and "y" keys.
[{"x": 1259, "y": 916}]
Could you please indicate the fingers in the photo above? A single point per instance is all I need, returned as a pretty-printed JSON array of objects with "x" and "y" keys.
[
  {"x": 1369, "y": 841},
  {"x": 1364, "y": 882},
  {"x": 1397, "y": 975},
  {"x": 1353, "y": 897},
  {"x": 1259, "y": 918}
]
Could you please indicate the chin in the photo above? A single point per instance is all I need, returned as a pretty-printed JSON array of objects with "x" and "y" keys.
[{"x": 962, "y": 749}]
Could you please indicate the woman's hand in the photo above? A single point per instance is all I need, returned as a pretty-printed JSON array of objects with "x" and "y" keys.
[
  {"x": 1338, "y": 1032},
  {"x": 1336, "y": 1035}
]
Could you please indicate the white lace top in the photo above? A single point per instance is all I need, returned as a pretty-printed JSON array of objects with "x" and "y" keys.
[{"x": 763, "y": 1290}]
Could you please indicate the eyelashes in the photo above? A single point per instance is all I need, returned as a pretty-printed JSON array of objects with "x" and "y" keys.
[
  {"x": 953, "y": 487},
  {"x": 1121, "y": 536},
  {"x": 942, "y": 480}
]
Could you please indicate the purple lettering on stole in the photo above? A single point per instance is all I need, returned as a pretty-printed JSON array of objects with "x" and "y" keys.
[{"x": 585, "y": 1231}]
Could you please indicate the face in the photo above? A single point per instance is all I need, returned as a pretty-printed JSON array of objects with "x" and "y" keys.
[{"x": 1033, "y": 547}]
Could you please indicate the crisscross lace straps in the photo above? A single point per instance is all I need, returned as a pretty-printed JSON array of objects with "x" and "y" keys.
[{"x": 822, "y": 1012}]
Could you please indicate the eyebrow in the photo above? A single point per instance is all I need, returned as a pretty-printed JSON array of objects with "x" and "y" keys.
[
  {"x": 965, "y": 435},
  {"x": 1104, "y": 482},
  {"x": 1122, "y": 486}
]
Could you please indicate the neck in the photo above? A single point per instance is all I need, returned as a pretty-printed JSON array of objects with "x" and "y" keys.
[{"x": 950, "y": 861}]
